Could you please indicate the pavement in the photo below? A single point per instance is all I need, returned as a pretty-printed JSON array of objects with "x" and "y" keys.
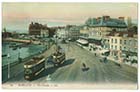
[
  {"x": 72, "y": 71},
  {"x": 112, "y": 58}
]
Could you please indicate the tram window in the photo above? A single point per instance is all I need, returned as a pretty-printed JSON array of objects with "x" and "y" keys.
[
  {"x": 28, "y": 71},
  {"x": 39, "y": 66}
]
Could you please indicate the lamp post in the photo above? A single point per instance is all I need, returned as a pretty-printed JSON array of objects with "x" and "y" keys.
[
  {"x": 8, "y": 56},
  {"x": 18, "y": 54}
]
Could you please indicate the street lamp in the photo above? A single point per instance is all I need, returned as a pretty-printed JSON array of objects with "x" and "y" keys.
[
  {"x": 19, "y": 55},
  {"x": 8, "y": 56}
]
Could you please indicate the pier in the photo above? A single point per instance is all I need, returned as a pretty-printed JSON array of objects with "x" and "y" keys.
[{"x": 21, "y": 40}]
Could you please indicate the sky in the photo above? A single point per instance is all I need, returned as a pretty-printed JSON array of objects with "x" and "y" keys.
[{"x": 17, "y": 16}]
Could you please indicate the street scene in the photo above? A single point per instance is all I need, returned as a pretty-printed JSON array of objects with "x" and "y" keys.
[{"x": 102, "y": 50}]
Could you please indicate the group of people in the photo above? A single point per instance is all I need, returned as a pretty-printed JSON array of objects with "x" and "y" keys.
[{"x": 104, "y": 60}]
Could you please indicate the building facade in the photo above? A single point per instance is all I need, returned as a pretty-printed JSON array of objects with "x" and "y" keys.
[
  {"x": 61, "y": 33},
  {"x": 84, "y": 32},
  {"x": 44, "y": 33},
  {"x": 101, "y": 26},
  {"x": 73, "y": 32},
  {"x": 123, "y": 44}
]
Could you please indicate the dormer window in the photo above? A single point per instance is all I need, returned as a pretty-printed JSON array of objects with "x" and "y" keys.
[{"x": 125, "y": 35}]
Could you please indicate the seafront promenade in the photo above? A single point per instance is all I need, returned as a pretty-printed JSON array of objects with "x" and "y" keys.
[
  {"x": 17, "y": 66},
  {"x": 71, "y": 70},
  {"x": 21, "y": 40}
]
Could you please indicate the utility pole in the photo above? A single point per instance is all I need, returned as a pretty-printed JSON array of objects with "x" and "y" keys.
[
  {"x": 19, "y": 55},
  {"x": 8, "y": 56}
]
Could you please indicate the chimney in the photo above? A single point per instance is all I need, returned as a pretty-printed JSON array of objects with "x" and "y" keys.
[
  {"x": 106, "y": 18},
  {"x": 98, "y": 19},
  {"x": 121, "y": 18}
]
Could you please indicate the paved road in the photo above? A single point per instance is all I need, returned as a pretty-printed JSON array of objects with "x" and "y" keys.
[{"x": 71, "y": 70}]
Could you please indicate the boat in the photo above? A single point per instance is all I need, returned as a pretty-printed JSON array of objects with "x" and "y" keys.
[
  {"x": 4, "y": 55},
  {"x": 12, "y": 45},
  {"x": 14, "y": 48}
]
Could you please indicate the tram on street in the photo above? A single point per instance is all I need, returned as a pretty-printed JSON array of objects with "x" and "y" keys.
[
  {"x": 34, "y": 67},
  {"x": 58, "y": 57}
]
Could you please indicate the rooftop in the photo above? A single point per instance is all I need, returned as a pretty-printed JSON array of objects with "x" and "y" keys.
[
  {"x": 106, "y": 21},
  {"x": 34, "y": 60},
  {"x": 123, "y": 33}
]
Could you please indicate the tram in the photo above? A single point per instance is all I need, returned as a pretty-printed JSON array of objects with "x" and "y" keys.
[{"x": 34, "y": 67}]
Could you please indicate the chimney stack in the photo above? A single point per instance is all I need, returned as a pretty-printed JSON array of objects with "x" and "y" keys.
[
  {"x": 106, "y": 18},
  {"x": 121, "y": 18}
]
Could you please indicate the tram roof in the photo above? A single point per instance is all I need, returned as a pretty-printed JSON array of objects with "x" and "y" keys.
[{"x": 35, "y": 60}]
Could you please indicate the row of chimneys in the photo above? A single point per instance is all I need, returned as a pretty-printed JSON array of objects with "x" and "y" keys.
[
  {"x": 36, "y": 23},
  {"x": 108, "y": 17}
]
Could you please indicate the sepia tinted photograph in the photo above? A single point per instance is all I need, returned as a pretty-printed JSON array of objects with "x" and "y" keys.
[{"x": 84, "y": 45}]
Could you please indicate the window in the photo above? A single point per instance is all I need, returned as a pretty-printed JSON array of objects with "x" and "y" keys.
[
  {"x": 100, "y": 33},
  {"x": 120, "y": 47},
  {"x": 130, "y": 42},
  {"x": 115, "y": 40},
  {"x": 111, "y": 46},
  {"x": 111, "y": 40},
  {"x": 120, "y": 41},
  {"x": 124, "y": 41},
  {"x": 124, "y": 48},
  {"x": 136, "y": 43},
  {"x": 28, "y": 71},
  {"x": 115, "y": 47}
]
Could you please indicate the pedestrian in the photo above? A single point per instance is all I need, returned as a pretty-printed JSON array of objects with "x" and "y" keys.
[
  {"x": 104, "y": 59},
  {"x": 84, "y": 65},
  {"x": 95, "y": 54}
]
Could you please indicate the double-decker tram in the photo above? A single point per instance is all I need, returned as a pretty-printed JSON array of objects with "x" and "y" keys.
[
  {"x": 34, "y": 67},
  {"x": 58, "y": 57}
]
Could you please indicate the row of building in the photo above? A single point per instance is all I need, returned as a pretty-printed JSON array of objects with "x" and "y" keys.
[
  {"x": 112, "y": 34},
  {"x": 109, "y": 33},
  {"x": 70, "y": 31}
]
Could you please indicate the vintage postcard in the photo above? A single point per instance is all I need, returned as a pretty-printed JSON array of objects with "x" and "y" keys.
[{"x": 69, "y": 45}]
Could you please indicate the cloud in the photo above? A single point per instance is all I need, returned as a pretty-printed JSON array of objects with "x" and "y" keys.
[{"x": 66, "y": 13}]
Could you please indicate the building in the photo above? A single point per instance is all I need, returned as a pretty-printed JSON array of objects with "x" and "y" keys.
[
  {"x": 35, "y": 29},
  {"x": 40, "y": 30},
  {"x": 61, "y": 33},
  {"x": 129, "y": 22},
  {"x": 73, "y": 32},
  {"x": 84, "y": 32},
  {"x": 44, "y": 33},
  {"x": 99, "y": 27},
  {"x": 123, "y": 44},
  {"x": 6, "y": 34}
]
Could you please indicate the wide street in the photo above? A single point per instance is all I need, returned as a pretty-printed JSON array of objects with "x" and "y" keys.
[{"x": 71, "y": 71}]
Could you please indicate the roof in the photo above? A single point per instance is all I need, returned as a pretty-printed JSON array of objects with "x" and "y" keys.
[
  {"x": 110, "y": 22},
  {"x": 122, "y": 33},
  {"x": 91, "y": 40},
  {"x": 34, "y": 60},
  {"x": 82, "y": 41},
  {"x": 103, "y": 51},
  {"x": 95, "y": 41}
]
